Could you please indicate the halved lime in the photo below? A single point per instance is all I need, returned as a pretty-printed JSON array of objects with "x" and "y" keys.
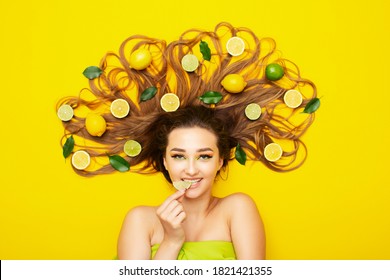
[
  {"x": 65, "y": 112},
  {"x": 190, "y": 62},
  {"x": 170, "y": 102},
  {"x": 132, "y": 148},
  {"x": 273, "y": 152},
  {"x": 81, "y": 160},
  {"x": 182, "y": 185},
  {"x": 253, "y": 111}
]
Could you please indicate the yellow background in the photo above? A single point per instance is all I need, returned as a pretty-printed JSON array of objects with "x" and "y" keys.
[{"x": 335, "y": 207}]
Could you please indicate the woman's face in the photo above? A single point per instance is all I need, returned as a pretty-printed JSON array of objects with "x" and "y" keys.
[{"x": 192, "y": 155}]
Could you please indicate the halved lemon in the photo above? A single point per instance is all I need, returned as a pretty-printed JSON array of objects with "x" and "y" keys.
[
  {"x": 190, "y": 62},
  {"x": 273, "y": 152},
  {"x": 170, "y": 102},
  {"x": 65, "y": 112},
  {"x": 292, "y": 98},
  {"x": 235, "y": 46},
  {"x": 181, "y": 185},
  {"x": 81, "y": 160},
  {"x": 120, "y": 108},
  {"x": 132, "y": 148},
  {"x": 253, "y": 111}
]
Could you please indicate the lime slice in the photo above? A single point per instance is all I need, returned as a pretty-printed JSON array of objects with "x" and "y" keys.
[
  {"x": 65, "y": 112},
  {"x": 132, "y": 148},
  {"x": 190, "y": 62},
  {"x": 182, "y": 185},
  {"x": 170, "y": 102},
  {"x": 293, "y": 98},
  {"x": 273, "y": 152},
  {"x": 235, "y": 46},
  {"x": 120, "y": 108},
  {"x": 253, "y": 111},
  {"x": 81, "y": 160}
]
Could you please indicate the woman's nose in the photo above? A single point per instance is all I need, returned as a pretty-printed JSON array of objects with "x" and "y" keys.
[{"x": 191, "y": 168}]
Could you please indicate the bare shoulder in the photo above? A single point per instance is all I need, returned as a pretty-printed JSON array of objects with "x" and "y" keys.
[
  {"x": 144, "y": 215},
  {"x": 237, "y": 200}
]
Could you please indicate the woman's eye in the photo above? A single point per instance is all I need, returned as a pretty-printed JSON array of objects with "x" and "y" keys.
[
  {"x": 205, "y": 157},
  {"x": 177, "y": 156}
]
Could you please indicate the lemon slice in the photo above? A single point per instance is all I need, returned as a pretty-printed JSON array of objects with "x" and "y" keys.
[
  {"x": 81, "y": 160},
  {"x": 120, "y": 108},
  {"x": 292, "y": 98},
  {"x": 65, "y": 112},
  {"x": 170, "y": 102},
  {"x": 190, "y": 62},
  {"x": 235, "y": 46},
  {"x": 273, "y": 152},
  {"x": 182, "y": 185},
  {"x": 132, "y": 148},
  {"x": 253, "y": 111}
]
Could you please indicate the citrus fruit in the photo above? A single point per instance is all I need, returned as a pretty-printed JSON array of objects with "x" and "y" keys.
[
  {"x": 292, "y": 98},
  {"x": 132, "y": 148},
  {"x": 81, "y": 160},
  {"x": 273, "y": 152},
  {"x": 274, "y": 72},
  {"x": 170, "y": 102},
  {"x": 190, "y": 62},
  {"x": 182, "y": 185},
  {"x": 120, "y": 108},
  {"x": 140, "y": 59},
  {"x": 253, "y": 111},
  {"x": 233, "y": 83},
  {"x": 95, "y": 124},
  {"x": 65, "y": 112},
  {"x": 235, "y": 46}
]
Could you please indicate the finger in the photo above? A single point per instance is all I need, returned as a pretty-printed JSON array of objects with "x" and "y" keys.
[
  {"x": 170, "y": 198},
  {"x": 175, "y": 212}
]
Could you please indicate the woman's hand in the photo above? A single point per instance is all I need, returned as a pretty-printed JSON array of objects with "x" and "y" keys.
[{"x": 171, "y": 214}]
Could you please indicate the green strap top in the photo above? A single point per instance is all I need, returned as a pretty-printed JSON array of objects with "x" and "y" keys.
[{"x": 203, "y": 250}]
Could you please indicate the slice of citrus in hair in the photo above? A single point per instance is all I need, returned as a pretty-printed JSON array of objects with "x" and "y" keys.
[
  {"x": 81, "y": 160},
  {"x": 235, "y": 46},
  {"x": 292, "y": 98},
  {"x": 181, "y": 185},
  {"x": 132, "y": 148},
  {"x": 65, "y": 112},
  {"x": 253, "y": 111},
  {"x": 190, "y": 62},
  {"x": 170, "y": 102},
  {"x": 120, "y": 108},
  {"x": 273, "y": 152}
]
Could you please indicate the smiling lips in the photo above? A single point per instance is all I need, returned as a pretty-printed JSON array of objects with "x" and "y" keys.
[{"x": 192, "y": 181}]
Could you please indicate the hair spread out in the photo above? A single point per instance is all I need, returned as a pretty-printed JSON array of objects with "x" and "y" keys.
[{"x": 147, "y": 121}]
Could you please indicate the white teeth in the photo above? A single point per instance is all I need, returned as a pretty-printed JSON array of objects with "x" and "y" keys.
[{"x": 192, "y": 181}]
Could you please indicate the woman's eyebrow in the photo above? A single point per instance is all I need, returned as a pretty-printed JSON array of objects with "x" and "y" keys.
[{"x": 199, "y": 150}]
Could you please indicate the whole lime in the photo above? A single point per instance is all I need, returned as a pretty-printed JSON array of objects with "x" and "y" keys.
[{"x": 274, "y": 72}]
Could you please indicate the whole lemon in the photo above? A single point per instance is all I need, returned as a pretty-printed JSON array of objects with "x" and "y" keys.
[
  {"x": 95, "y": 124},
  {"x": 140, "y": 59},
  {"x": 233, "y": 83}
]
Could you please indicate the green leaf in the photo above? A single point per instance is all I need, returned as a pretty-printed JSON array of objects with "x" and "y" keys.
[
  {"x": 312, "y": 106},
  {"x": 68, "y": 147},
  {"x": 240, "y": 155},
  {"x": 148, "y": 93},
  {"x": 211, "y": 97},
  {"x": 205, "y": 50},
  {"x": 119, "y": 163},
  {"x": 92, "y": 72}
]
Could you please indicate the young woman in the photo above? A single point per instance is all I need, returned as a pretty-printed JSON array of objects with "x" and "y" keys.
[
  {"x": 230, "y": 96},
  {"x": 192, "y": 145}
]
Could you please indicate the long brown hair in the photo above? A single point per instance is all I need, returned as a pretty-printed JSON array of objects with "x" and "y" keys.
[{"x": 118, "y": 80}]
